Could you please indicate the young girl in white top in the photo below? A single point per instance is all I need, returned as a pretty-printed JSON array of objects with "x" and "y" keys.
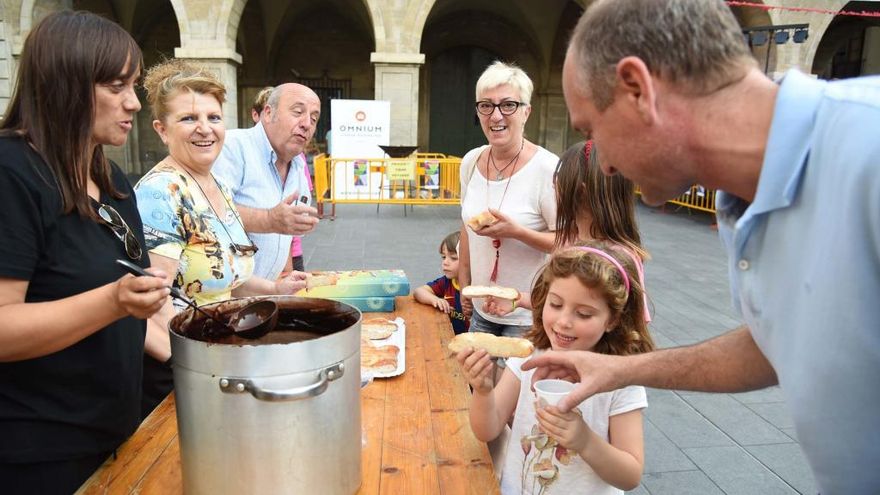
[{"x": 587, "y": 297}]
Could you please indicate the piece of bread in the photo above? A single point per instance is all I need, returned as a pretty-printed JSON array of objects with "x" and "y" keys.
[
  {"x": 481, "y": 220},
  {"x": 508, "y": 293},
  {"x": 319, "y": 279},
  {"x": 379, "y": 359},
  {"x": 503, "y": 347},
  {"x": 377, "y": 328}
]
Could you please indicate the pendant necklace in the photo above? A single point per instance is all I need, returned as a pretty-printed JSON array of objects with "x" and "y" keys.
[
  {"x": 499, "y": 172},
  {"x": 496, "y": 243}
]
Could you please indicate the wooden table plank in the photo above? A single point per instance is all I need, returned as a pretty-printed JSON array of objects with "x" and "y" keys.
[
  {"x": 408, "y": 464},
  {"x": 418, "y": 438},
  {"x": 460, "y": 456},
  {"x": 136, "y": 457},
  {"x": 373, "y": 399}
]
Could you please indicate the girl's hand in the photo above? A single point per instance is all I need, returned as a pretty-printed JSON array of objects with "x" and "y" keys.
[
  {"x": 568, "y": 429},
  {"x": 442, "y": 305},
  {"x": 479, "y": 369},
  {"x": 291, "y": 283},
  {"x": 467, "y": 307},
  {"x": 498, "y": 307},
  {"x": 503, "y": 227},
  {"x": 141, "y": 297}
]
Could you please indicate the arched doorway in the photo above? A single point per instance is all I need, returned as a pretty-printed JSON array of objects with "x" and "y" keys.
[
  {"x": 850, "y": 46},
  {"x": 460, "y": 40},
  {"x": 454, "y": 128},
  {"x": 324, "y": 44}
]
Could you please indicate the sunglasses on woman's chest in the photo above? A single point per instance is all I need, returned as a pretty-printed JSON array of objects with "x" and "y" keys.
[{"x": 112, "y": 219}]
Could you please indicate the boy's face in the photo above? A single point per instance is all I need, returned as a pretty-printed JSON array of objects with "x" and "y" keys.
[{"x": 448, "y": 263}]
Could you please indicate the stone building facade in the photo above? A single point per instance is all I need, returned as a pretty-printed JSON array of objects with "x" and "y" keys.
[{"x": 421, "y": 55}]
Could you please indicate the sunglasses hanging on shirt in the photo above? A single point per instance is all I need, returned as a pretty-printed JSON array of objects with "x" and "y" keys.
[
  {"x": 238, "y": 249},
  {"x": 112, "y": 219}
]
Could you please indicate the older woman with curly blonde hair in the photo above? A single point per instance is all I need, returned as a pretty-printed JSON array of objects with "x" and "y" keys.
[{"x": 191, "y": 226}]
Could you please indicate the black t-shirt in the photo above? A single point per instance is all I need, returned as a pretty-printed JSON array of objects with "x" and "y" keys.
[{"x": 84, "y": 399}]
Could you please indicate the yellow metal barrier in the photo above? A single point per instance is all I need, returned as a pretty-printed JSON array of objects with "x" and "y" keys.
[
  {"x": 425, "y": 179},
  {"x": 697, "y": 198}
]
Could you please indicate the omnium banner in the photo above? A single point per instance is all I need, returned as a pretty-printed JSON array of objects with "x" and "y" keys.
[{"x": 359, "y": 127}]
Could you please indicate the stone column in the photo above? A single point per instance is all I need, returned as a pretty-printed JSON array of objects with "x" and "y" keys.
[
  {"x": 554, "y": 122},
  {"x": 224, "y": 63},
  {"x": 7, "y": 68},
  {"x": 397, "y": 81}
]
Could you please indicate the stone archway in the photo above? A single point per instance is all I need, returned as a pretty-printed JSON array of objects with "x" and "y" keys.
[
  {"x": 850, "y": 46},
  {"x": 460, "y": 39}
]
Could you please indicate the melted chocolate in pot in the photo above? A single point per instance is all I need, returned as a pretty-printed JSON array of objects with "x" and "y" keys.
[{"x": 294, "y": 325}]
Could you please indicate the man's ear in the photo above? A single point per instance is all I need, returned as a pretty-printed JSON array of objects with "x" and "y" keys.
[
  {"x": 159, "y": 127},
  {"x": 637, "y": 86}
]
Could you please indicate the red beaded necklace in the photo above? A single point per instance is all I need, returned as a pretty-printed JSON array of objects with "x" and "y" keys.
[{"x": 496, "y": 243}]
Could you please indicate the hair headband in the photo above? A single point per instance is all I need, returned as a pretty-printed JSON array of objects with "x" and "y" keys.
[{"x": 611, "y": 259}]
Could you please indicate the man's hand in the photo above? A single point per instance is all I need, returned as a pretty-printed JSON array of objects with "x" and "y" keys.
[
  {"x": 595, "y": 372},
  {"x": 290, "y": 217}
]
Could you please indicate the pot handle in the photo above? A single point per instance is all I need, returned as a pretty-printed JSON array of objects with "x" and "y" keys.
[{"x": 244, "y": 385}]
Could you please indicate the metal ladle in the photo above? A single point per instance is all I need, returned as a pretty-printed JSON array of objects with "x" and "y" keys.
[{"x": 250, "y": 322}]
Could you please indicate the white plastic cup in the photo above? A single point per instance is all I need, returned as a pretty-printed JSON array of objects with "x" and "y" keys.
[{"x": 550, "y": 392}]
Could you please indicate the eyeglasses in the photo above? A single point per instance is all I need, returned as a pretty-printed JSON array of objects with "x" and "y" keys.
[
  {"x": 236, "y": 248},
  {"x": 507, "y": 107},
  {"x": 244, "y": 249},
  {"x": 117, "y": 225}
]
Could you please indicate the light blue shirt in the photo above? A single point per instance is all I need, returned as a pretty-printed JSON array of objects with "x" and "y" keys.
[
  {"x": 804, "y": 261},
  {"x": 247, "y": 166}
]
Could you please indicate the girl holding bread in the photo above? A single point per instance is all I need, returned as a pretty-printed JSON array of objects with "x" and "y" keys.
[{"x": 587, "y": 297}]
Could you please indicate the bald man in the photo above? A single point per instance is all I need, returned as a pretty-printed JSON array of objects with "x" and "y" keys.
[{"x": 267, "y": 176}]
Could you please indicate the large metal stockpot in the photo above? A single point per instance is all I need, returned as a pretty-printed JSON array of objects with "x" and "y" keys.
[{"x": 270, "y": 415}]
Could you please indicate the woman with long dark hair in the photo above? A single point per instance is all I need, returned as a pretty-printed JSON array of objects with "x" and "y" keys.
[{"x": 71, "y": 322}]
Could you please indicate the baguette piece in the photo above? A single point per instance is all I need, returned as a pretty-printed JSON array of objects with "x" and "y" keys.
[
  {"x": 377, "y": 328},
  {"x": 508, "y": 293},
  {"x": 481, "y": 220},
  {"x": 319, "y": 279},
  {"x": 503, "y": 347}
]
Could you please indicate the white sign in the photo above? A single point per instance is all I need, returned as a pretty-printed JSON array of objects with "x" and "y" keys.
[{"x": 359, "y": 127}]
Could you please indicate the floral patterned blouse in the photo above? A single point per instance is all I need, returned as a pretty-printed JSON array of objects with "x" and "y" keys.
[{"x": 180, "y": 224}]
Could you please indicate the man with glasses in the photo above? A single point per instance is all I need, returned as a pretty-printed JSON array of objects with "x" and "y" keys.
[{"x": 263, "y": 168}]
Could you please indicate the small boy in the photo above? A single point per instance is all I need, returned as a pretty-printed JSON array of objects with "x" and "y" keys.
[{"x": 444, "y": 293}]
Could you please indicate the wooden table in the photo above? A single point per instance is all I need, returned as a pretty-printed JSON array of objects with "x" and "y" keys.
[{"x": 416, "y": 425}]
